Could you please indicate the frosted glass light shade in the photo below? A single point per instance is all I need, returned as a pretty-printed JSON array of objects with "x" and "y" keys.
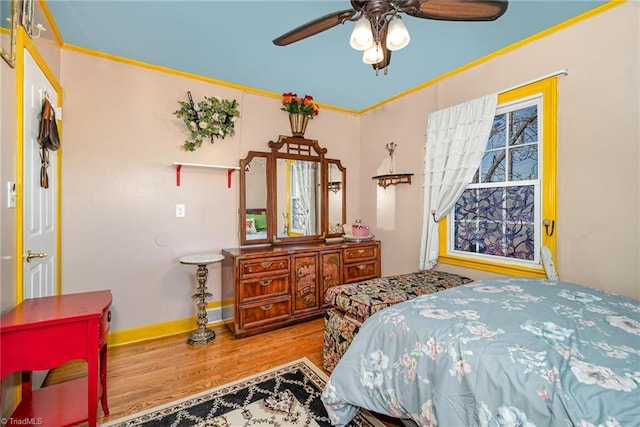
[
  {"x": 397, "y": 34},
  {"x": 361, "y": 36},
  {"x": 373, "y": 55}
]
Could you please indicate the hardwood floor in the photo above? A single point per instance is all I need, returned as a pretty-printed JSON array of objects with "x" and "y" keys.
[{"x": 150, "y": 373}]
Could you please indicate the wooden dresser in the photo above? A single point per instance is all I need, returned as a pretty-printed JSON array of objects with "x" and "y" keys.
[{"x": 275, "y": 286}]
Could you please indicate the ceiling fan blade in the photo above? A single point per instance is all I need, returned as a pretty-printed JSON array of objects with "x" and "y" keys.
[
  {"x": 314, "y": 27},
  {"x": 461, "y": 10}
]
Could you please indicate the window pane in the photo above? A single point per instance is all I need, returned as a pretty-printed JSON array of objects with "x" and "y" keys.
[
  {"x": 519, "y": 240},
  {"x": 466, "y": 235},
  {"x": 524, "y": 126},
  {"x": 520, "y": 204},
  {"x": 492, "y": 167},
  {"x": 490, "y": 203},
  {"x": 466, "y": 215},
  {"x": 520, "y": 208},
  {"x": 497, "y": 137},
  {"x": 523, "y": 163},
  {"x": 492, "y": 238},
  {"x": 467, "y": 206},
  {"x": 496, "y": 221}
]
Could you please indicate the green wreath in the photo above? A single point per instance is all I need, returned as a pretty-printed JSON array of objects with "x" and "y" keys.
[{"x": 211, "y": 118}]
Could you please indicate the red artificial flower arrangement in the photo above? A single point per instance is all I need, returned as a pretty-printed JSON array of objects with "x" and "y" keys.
[{"x": 293, "y": 104}]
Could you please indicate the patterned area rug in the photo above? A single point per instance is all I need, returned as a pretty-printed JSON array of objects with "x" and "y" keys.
[{"x": 288, "y": 395}]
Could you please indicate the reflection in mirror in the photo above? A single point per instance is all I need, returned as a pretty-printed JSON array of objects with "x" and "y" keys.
[
  {"x": 8, "y": 22},
  {"x": 255, "y": 197},
  {"x": 292, "y": 194},
  {"x": 299, "y": 198},
  {"x": 336, "y": 197}
]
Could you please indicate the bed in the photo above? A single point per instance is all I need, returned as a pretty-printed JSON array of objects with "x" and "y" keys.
[
  {"x": 513, "y": 351},
  {"x": 351, "y": 304}
]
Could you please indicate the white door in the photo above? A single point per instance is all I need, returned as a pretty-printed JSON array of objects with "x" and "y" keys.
[{"x": 39, "y": 204}]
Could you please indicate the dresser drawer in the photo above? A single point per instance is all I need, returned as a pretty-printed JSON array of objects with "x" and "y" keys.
[
  {"x": 360, "y": 253},
  {"x": 250, "y": 268},
  {"x": 263, "y": 287},
  {"x": 264, "y": 313},
  {"x": 360, "y": 271}
]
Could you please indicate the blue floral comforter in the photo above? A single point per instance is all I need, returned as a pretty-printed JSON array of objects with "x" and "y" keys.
[{"x": 502, "y": 352}]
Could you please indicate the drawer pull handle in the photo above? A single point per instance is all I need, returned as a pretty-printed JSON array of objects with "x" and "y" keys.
[
  {"x": 361, "y": 251},
  {"x": 266, "y": 264},
  {"x": 266, "y": 307},
  {"x": 362, "y": 266},
  {"x": 265, "y": 282},
  {"x": 249, "y": 269}
]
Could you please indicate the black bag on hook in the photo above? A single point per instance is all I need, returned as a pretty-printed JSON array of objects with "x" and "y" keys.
[
  {"x": 48, "y": 139},
  {"x": 48, "y": 136}
]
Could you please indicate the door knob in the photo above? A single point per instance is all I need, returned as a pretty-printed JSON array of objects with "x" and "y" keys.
[{"x": 30, "y": 255}]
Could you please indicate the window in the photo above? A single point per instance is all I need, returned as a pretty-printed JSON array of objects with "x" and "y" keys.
[{"x": 497, "y": 224}]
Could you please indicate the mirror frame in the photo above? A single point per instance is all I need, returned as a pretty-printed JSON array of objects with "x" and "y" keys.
[
  {"x": 292, "y": 148},
  {"x": 296, "y": 148},
  {"x": 244, "y": 163},
  {"x": 343, "y": 170},
  {"x": 10, "y": 56}
]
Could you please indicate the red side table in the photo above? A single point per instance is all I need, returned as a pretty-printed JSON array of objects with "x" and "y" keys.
[{"x": 42, "y": 333}]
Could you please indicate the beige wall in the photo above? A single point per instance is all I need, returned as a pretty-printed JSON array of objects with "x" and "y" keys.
[
  {"x": 598, "y": 157},
  {"x": 120, "y": 139}
]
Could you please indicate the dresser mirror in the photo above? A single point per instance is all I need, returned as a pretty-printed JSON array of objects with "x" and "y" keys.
[
  {"x": 288, "y": 195},
  {"x": 255, "y": 198},
  {"x": 299, "y": 197},
  {"x": 336, "y": 197}
]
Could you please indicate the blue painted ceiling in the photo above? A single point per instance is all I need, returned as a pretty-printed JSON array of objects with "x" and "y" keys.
[{"x": 232, "y": 41}]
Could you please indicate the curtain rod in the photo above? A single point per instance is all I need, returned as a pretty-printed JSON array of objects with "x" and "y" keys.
[{"x": 563, "y": 72}]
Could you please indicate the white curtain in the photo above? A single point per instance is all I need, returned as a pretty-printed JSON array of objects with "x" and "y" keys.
[
  {"x": 456, "y": 139},
  {"x": 303, "y": 176}
]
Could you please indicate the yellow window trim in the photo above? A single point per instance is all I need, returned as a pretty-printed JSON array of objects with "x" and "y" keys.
[{"x": 549, "y": 90}]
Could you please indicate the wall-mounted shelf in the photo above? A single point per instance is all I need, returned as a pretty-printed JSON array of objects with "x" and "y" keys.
[
  {"x": 335, "y": 186},
  {"x": 393, "y": 179},
  {"x": 229, "y": 169}
]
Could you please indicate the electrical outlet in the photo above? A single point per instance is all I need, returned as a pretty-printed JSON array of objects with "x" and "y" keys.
[{"x": 180, "y": 211}]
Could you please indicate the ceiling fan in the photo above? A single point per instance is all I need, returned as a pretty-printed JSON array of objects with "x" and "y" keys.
[{"x": 379, "y": 28}]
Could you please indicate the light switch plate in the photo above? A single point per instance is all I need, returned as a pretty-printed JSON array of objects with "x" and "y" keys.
[
  {"x": 180, "y": 211},
  {"x": 11, "y": 194}
]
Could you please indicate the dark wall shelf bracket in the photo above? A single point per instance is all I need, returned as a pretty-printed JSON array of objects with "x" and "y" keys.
[{"x": 393, "y": 179}]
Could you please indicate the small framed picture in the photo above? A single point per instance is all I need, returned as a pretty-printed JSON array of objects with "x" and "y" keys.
[{"x": 27, "y": 16}]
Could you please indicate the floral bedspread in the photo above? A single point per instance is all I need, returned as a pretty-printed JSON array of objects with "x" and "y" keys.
[{"x": 502, "y": 352}]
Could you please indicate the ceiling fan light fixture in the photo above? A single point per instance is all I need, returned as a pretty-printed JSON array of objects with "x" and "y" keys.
[
  {"x": 379, "y": 29},
  {"x": 397, "y": 34},
  {"x": 373, "y": 55},
  {"x": 362, "y": 36}
]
